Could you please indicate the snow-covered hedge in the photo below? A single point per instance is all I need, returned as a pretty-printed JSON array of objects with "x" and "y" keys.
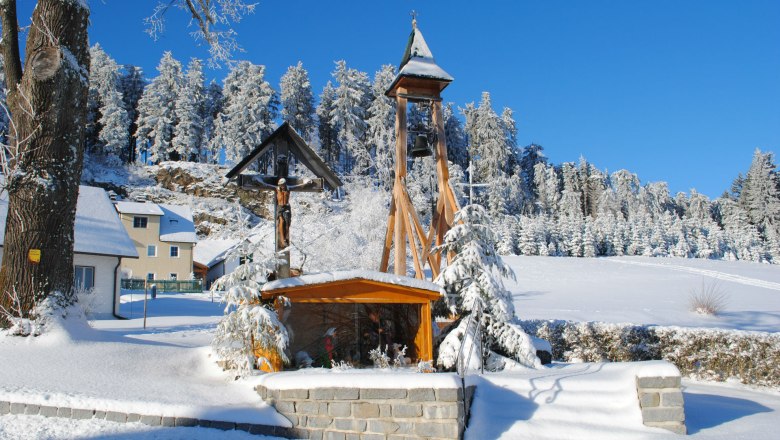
[{"x": 708, "y": 354}]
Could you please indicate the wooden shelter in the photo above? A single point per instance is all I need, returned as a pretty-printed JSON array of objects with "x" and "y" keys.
[
  {"x": 419, "y": 80},
  {"x": 341, "y": 316}
]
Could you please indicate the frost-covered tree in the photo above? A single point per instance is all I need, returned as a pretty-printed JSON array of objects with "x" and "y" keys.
[
  {"x": 131, "y": 85},
  {"x": 760, "y": 195},
  {"x": 248, "y": 115},
  {"x": 457, "y": 145},
  {"x": 190, "y": 109},
  {"x": 352, "y": 97},
  {"x": 475, "y": 278},
  {"x": 108, "y": 125},
  {"x": 213, "y": 105},
  {"x": 381, "y": 126},
  {"x": 330, "y": 150},
  {"x": 298, "y": 101},
  {"x": 114, "y": 125},
  {"x": 489, "y": 149},
  {"x": 157, "y": 111}
]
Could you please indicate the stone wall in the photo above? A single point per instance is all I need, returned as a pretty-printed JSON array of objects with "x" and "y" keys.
[
  {"x": 661, "y": 401},
  {"x": 372, "y": 413}
]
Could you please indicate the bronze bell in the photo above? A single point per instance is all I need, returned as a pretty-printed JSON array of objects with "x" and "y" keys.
[{"x": 420, "y": 148}]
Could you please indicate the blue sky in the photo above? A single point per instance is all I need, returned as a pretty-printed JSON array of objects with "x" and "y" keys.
[{"x": 681, "y": 91}]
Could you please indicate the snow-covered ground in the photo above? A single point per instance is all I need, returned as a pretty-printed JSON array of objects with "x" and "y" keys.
[{"x": 643, "y": 290}]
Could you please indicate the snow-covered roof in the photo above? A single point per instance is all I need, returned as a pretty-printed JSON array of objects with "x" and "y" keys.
[
  {"x": 355, "y": 274},
  {"x": 211, "y": 252},
  {"x": 98, "y": 230},
  {"x": 138, "y": 208},
  {"x": 176, "y": 224},
  {"x": 418, "y": 59}
]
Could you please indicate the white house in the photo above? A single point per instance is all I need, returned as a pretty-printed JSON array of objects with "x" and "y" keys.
[
  {"x": 100, "y": 243},
  {"x": 212, "y": 254}
]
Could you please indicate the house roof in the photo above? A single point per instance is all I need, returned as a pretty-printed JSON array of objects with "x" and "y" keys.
[
  {"x": 97, "y": 230},
  {"x": 323, "y": 283},
  {"x": 298, "y": 147},
  {"x": 138, "y": 208},
  {"x": 176, "y": 224},
  {"x": 211, "y": 252},
  {"x": 418, "y": 62}
]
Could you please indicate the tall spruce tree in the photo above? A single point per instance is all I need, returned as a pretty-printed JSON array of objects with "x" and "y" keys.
[
  {"x": 131, "y": 84},
  {"x": 381, "y": 126},
  {"x": 298, "y": 101},
  {"x": 349, "y": 113},
  {"x": 190, "y": 108},
  {"x": 330, "y": 150},
  {"x": 157, "y": 112}
]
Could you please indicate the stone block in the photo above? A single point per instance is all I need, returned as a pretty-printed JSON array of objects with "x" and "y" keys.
[
  {"x": 421, "y": 395},
  {"x": 356, "y": 425},
  {"x": 385, "y": 410},
  {"x": 262, "y": 391},
  {"x": 292, "y": 418},
  {"x": 405, "y": 428},
  {"x": 647, "y": 400},
  {"x": 352, "y": 436},
  {"x": 675, "y": 427},
  {"x": 64, "y": 412},
  {"x": 225, "y": 426},
  {"x": 319, "y": 422},
  {"x": 400, "y": 437},
  {"x": 407, "y": 410},
  {"x": 5, "y": 407},
  {"x": 322, "y": 393},
  {"x": 443, "y": 411},
  {"x": 18, "y": 408},
  {"x": 151, "y": 420},
  {"x": 432, "y": 429},
  {"x": 284, "y": 406},
  {"x": 115, "y": 416},
  {"x": 168, "y": 421},
  {"x": 372, "y": 437},
  {"x": 365, "y": 410},
  {"x": 99, "y": 414},
  {"x": 32, "y": 410},
  {"x": 449, "y": 394},
  {"x": 346, "y": 394},
  {"x": 293, "y": 394},
  {"x": 382, "y": 393},
  {"x": 133, "y": 418},
  {"x": 48, "y": 411},
  {"x": 334, "y": 435},
  {"x": 307, "y": 407},
  {"x": 186, "y": 421},
  {"x": 663, "y": 415},
  {"x": 673, "y": 398},
  {"x": 382, "y": 426},
  {"x": 340, "y": 409},
  {"x": 82, "y": 414},
  {"x": 658, "y": 382},
  {"x": 315, "y": 434}
]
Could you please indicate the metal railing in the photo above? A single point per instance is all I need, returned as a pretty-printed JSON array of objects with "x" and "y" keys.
[{"x": 180, "y": 286}]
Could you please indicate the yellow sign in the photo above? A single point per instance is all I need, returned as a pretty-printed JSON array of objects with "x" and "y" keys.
[{"x": 34, "y": 255}]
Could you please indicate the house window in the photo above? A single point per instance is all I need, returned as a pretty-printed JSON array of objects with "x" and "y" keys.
[
  {"x": 173, "y": 276},
  {"x": 85, "y": 277},
  {"x": 174, "y": 251},
  {"x": 151, "y": 250},
  {"x": 140, "y": 222},
  {"x": 150, "y": 277}
]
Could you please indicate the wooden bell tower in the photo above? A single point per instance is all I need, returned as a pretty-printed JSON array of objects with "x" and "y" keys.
[{"x": 419, "y": 80}]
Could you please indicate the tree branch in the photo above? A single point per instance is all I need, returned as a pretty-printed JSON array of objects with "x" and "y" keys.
[{"x": 10, "y": 44}]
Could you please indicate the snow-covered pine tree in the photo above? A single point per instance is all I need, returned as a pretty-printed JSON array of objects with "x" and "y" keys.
[
  {"x": 298, "y": 101},
  {"x": 214, "y": 102},
  {"x": 760, "y": 196},
  {"x": 348, "y": 116},
  {"x": 475, "y": 276},
  {"x": 190, "y": 109},
  {"x": 156, "y": 112},
  {"x": 457, "y": 146},
  {"x": 107, "y": 120},
  {"x": 131, "y": 85},
  {"x": 330, "y": 150},
  {"x": 489, "y": 149},
  {"x": 248, "y": 115},
  {"x": 114, "y": 125},
  {"x": 381, "y": 126}
]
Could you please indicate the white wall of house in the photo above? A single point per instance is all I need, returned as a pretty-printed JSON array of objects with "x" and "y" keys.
[
  {"x": 221, "y": 268},
  {"x": 102, "y": 299}
]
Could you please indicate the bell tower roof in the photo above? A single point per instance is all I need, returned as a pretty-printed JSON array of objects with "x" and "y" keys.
[{"x": 418, "y": 62}]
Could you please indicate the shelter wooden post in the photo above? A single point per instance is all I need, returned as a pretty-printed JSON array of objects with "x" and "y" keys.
[{"x": 400, "y": 180}]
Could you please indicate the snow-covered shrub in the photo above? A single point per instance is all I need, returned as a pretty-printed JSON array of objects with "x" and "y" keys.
[
  {"x": 425, "y": 367},
  {"x": 475, "y": 278},
  {"x": 379, "y": 357},
  {"x": 709, "y": 299},
  {"x": 341, "y": 366},
  {"x": 708, "y": 354},
  {"x": 400, "y": 359}
]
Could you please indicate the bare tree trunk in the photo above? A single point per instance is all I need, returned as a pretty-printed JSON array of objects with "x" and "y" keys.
[{"x": 47, "y": 101}]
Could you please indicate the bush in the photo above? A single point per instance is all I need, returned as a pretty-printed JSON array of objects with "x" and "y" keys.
[
  {"x": 706, "y": 354},
  {"x": 709, "y": 299}
]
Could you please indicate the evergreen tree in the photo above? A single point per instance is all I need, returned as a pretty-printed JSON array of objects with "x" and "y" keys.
[
  {"x": 298, "y": 101},
  {"x": 330, "y": 149},
  {"x": 457, "y": 146},
  {"x": 107, "y": 122},
  {"x": 760, "y": 196},
  {"x": 131, "y": 85},
  {"x": 381, "y": 127},
  {"x": 489, "y": 149},
  {"x": 247, "y": 117},
  {"x": 114, "y": 125},
  {"x": 213, "y": 106},
  {"x": 348, "y": 116},
  {"x": 190, "y": 109},
  {"x": 156, "y": 112}
]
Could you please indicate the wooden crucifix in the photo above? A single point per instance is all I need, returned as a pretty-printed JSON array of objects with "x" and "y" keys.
[{"x": 283, "y": 143}]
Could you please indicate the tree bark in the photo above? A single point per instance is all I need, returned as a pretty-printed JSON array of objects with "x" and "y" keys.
[{"x": 47, "y": 101}]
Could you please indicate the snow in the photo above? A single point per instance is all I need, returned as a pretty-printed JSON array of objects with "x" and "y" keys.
[
  {"x": 177, "y": 225},
  {"x": 355, "y": 274},
  {"x": 138, "y": 208},
  {"x": 211, "y": 252},
  {"x": 598, "y": 401},
  {"x": 644, "y": 290},
  {"x": 97, "y": 229},
  {"x": 308, "y": 378},
  {"x": 421, "y": 62}
]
